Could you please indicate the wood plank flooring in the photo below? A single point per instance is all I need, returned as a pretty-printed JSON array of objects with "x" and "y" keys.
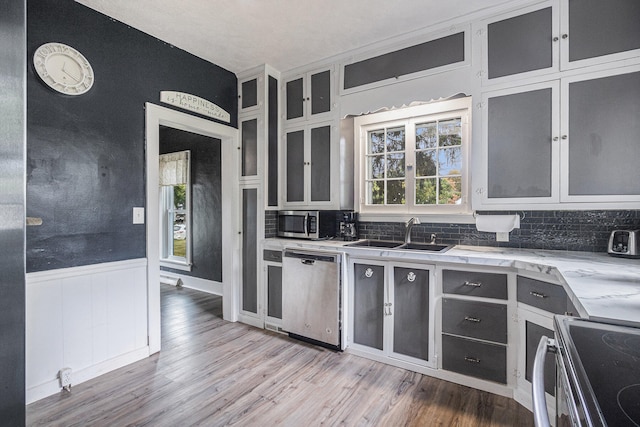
[{"x": 216, "y": 373}]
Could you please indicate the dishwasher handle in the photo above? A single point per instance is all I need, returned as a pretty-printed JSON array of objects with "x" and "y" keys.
[
  {"x": 307, "y": 261},
  {"x": 539, "y": 401}
]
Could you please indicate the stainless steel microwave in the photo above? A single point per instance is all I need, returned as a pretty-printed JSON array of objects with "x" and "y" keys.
[{"x": 307, "y": 224}]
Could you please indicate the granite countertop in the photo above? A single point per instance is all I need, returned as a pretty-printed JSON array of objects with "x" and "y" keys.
[{"x": 602, "y": 287}]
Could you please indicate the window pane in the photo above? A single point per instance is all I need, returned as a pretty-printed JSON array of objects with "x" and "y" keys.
[
  {"x": 375, "y": 167},
  {"x": 450, "y": 191},
  {"x": 426, "y": 191},
  {"x": 450, "y": 132},
  {"x": 179, "y": 236},
  {"x": 450, "y": 161},
  {"x": 179, "y": 196},
  {"x": 395, "y": 139},
  {"x": 395, "y": 165},
  {"x": 395, "y": 192},
  {"x": 376, "y": 142},
  {"x": 375, "y": 191},
  {"x": 426, "y": 163},
  {"x": 426, "y": 136}
]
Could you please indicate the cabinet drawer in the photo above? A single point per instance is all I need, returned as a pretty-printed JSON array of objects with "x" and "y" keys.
[
  {"x": 477, "y": 359},
  {"x": 474, "y": 319},
  {"x": 479, "y": 284},
  {"x": 543, "y": 295},
  {"x": 274, "y": 256}
]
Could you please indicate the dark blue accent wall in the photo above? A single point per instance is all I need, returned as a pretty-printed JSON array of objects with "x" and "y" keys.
[{"x": 86, "y": 154}]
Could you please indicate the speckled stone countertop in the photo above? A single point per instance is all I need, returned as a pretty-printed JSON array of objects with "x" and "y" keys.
[{"x": 602, "y": 287}]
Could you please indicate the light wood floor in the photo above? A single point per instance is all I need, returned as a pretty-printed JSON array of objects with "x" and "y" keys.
[{"x": 214, "y": 373}]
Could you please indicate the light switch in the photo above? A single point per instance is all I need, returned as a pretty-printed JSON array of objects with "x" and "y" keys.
[{"x": 138, "y": 215}]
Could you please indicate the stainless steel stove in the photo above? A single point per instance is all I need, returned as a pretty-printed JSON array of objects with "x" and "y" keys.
[{"x": 598, "y": 373}]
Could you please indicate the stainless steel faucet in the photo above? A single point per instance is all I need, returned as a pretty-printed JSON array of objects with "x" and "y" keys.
[
  {"x": 433, "y": 239},
  {"x": 410, "y": 224}
]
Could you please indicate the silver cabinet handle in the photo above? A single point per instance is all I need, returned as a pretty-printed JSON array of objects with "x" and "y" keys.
[
  {"x": 540, "y": 414},
  {"x": 471, "y": 359},
  {"x": 472, "y": 319},
  {"x": 411, "y": 276},
  {"x": 368, "y": 272},
  {"x": 387, "y": 309},
  {"x": 473, "y": 284},
  {"x": 537, "y": 294}
]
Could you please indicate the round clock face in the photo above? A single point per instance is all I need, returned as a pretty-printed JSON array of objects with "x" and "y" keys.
[{"x": 63, "y": 68}]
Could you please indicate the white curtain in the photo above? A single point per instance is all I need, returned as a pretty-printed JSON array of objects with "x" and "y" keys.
[{"x": 174, "y": 168}]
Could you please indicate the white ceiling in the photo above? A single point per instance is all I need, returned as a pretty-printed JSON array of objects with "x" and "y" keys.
[{"x": 286, "y": 34}]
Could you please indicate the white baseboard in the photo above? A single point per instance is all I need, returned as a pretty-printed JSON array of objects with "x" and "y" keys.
[
  {"x": 204, "y": 285},
  {"x": 52, "y": 387}
]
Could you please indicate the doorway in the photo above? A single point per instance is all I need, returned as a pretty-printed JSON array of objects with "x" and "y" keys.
[{"x": 157, "y": 117}]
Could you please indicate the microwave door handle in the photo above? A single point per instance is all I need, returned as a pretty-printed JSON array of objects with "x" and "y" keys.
[
  {"x": 306, "y": 225},
  {"x": 539, "y": 401}
]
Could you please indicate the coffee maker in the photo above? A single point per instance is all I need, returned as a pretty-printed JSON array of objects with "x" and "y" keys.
[{"x": 349, "y": 226}]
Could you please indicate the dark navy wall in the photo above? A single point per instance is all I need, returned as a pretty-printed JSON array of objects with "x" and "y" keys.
[
  {"x": 86, "y": 154},
  {"x": 206, "y": 199}
]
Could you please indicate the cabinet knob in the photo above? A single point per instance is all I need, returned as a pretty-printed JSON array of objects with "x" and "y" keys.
[
  {"x": 565, "y": 36},
  {"x": 411, "y": 276},
  {"x": 555, "y": 39},
  {"x": 555, "y": 138},
  {"x": 368, "y": 272},
  {"x": 564, "y": 136}
]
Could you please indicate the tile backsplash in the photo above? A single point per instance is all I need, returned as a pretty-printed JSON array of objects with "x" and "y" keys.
[{"x": 560, "y": 230}]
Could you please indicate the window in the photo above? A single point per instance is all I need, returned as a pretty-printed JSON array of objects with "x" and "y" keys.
[
  {"x": 175, "y": 216},
  {"x": 414, "y": 160}
]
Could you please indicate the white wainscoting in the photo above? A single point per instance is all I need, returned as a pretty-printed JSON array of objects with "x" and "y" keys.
[{"x": 92, "y": 319}]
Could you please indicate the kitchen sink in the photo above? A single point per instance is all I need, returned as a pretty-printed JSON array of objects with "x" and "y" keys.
[
  {"x": 375, "y": 244},
  {"x": 429, "y": 247}
]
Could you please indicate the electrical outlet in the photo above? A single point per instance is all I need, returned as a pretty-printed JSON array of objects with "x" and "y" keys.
[
  {"x": 138, "y": 215},
  {"x": 502, "y": 237},
  {"x": 65, "y": 378}
]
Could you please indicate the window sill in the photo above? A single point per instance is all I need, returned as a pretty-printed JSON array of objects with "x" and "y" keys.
[
  {"x": 176, "y": 265},
  {"x": 452, "y": 218}
]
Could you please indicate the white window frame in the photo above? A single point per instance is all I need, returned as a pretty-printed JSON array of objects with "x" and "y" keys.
[
  {"x": 167, "y": 259},
  {"x": 440, "y": 110}
]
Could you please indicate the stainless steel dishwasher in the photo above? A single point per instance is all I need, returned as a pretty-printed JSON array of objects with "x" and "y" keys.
[{"x": 311, "y": 289}]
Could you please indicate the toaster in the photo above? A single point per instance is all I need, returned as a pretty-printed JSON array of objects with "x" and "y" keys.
[{"x": 624, "y": 243}]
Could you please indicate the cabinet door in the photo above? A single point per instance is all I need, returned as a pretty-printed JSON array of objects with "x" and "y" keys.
[
  {"x": 368, "y": 305},
  {"x": 295, "y": 98},
  {"x": 521, "y": 43},
  {"x": 521, "y": 151},
  {"x": 295, "y": 179},
  {"x": 274, "y": 291},
  {"x": 599, "y": 31},
  {"x": 248, "y": 94},
  {"x": 320, "y": 163},
  {"x": 534, "y": 332},
  {"x": 249, "y": 152},
  {"x": 272, "y": 142},
  {"x": 320, "y": 92},
  {"x": 602, "y": 150},
  {"x": 410, "y": 310},
  {"x": 249, "y": 295}
]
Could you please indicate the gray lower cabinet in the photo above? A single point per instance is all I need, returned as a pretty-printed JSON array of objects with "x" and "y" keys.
[
  {"x": 478, "y": 359},
  {"x": 369, "y": 306},
  {"x": 273, "y": 264},
  {"x": 543, "y": 295},
  {"x": 391, "y": 309},
  {"x": 475, "y": 284},
  {"x": 474, "y": 319},
  {"x": 533, "y": 334}
]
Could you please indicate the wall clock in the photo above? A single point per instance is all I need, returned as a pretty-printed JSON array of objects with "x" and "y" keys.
[{"x": 63, "y": 68}]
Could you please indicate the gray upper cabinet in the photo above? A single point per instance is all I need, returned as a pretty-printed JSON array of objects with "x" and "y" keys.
[
  {"x": 521, "y": 144},
  {"x": 249, "y": 147},
  {"x": 520, "y": 44},
  {"x": 248, "y": 97},
  {"x": 572, "y": 140},
  {"x": 309, "y": 96},
  {"x": 559, "y": 35},
  {"x": 598, "y": 31},
  {"x": 310, "y": 156}
]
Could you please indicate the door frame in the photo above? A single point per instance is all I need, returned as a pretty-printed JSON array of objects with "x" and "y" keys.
[{"x": 155, "y": 117}]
